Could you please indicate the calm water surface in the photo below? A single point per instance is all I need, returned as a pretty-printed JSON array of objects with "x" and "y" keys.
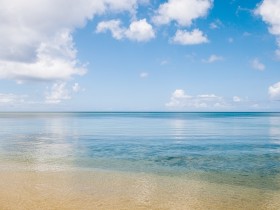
[{"x": 230, "y": 148}]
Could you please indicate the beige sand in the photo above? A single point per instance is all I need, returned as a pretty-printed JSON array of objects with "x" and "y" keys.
[{"x": 120, "y": 190}]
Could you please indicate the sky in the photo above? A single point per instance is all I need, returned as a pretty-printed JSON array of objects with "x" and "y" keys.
[{"x": 140, "y": 55}]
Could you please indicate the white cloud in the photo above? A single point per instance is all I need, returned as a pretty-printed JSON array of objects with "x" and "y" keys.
[
  {"x": 189, "y": 38},
  {"x": 180, "y": 99},
  {"x": 216, "y": 24},
  {"x": 36, "y": 37},
  {"x": 77, "y": 88},
  {"x": 11, "y": 99},
  {"x": 114, "y": 26},
  {"x": 144, "y": 75},
  {"x": 213, "y": 58},
  {"x": 121, "y": 5},
  {"x": 274, "y": 91},
  {"x": 140, "y": 30},
  {"x": 181, "y": 11},
  {"x": 179, "y": 93},
  {"x": 57, "y": 93},
  {"x": 256, "y": 64},
  {"x": 269, "y": 10},
  {"x": 55, "y": 60},
  {"x": 236, "y": 99}
]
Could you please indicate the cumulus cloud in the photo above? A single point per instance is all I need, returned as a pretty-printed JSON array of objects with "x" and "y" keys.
[
  {"x": 179, "y": 93},
  {"x": 61, "y": 91},
  {"x": 256, "y": 64},
  {"x": 120, "y": 5},
  {"x": 213, "y": 58},
  {"x": 274, "y": 91},
  {"x": 180, "y": 99},
  {"x": 269, "y": 10},
  {"x": 140, "y": 30},
  {"x": 114, "y": 26},
  {"x": 55, "y": 60},
  {"x": 189, "y": 37},
  {"x": 57, "y": 93},
  {"x": 36, "y": 37},
  {"x": 181, "y": 11}
]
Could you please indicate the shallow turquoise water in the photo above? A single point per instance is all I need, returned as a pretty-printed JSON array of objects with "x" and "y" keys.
[{"x": 234, "y": 148}]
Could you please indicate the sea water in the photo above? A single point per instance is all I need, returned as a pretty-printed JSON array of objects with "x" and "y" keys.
[
  {"x": 232, "y": 144},
  {"x": 236, "y": 149}
]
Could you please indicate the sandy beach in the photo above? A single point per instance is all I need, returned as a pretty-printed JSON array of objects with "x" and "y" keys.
[{"x": 124, "y": 190}]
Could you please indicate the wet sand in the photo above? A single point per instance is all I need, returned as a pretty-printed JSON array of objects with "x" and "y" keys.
[{"x": 124, "y": 190}]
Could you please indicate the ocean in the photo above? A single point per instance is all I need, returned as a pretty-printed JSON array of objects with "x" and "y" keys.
[{"x": 235, "y": 151}]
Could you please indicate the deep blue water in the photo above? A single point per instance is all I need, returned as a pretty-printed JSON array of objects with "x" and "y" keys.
[{"x": 223, "y": 147}]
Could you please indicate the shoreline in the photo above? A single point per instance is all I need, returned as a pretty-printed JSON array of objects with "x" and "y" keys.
[{"x": 124, "y": 190}]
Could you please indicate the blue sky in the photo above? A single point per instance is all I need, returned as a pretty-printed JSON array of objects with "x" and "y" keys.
[{"x": 140, "y": 55}]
